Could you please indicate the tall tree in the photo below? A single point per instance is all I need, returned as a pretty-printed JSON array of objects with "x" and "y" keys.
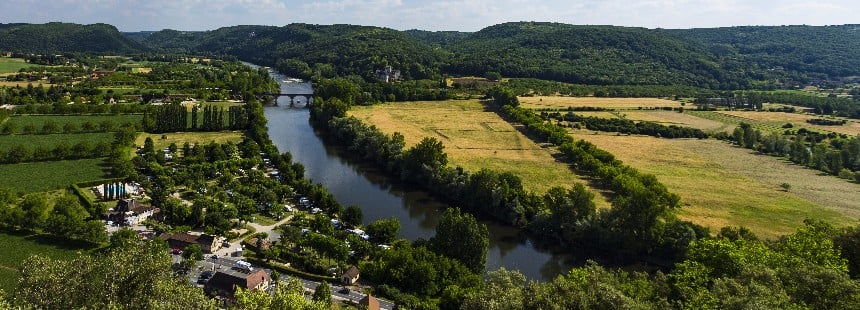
[{"x": 460, "y": 236}]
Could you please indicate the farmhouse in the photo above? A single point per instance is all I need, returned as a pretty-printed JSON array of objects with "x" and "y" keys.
[
  {"x": 350, "y": 276},
  {"x": 225, "y": 282}
]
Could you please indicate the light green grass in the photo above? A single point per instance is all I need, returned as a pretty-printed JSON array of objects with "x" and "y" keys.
[
  {"x": 191, "y": 137},
  {"x": 12, "y": 65},
  {"x": 16, "y": 248},
  {"x": 50, "y": 175},
  {"x": 475, "y": 138},
  {"x": 19, "y": 121},
  {"x": 723, "y": 185}
]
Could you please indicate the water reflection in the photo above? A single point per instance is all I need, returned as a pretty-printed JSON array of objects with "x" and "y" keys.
[{"x": 379, "y": 197}]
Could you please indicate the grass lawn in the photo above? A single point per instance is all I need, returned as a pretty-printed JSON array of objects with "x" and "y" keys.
[
  {"x": 15, "y": 248},
  {"x": 12, "y": 65},
  {"x": 558, "y": 102},
  {"x": 722, "y": 185},
  {"x": 52, "y": 140},
  {"x": 50, "y": 175},
  {"x": 118, "y": 120},
  {"x": 191, "y": 137},
  {"x": 474, "y": 139}
]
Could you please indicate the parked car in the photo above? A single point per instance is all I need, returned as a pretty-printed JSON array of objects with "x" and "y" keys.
[
  {"x": 176, "y": 251},
  {"x": 344, "y": 291}
]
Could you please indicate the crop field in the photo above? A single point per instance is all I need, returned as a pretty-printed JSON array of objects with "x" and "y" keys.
[
  {"x": 27, "y": 245},
  {"x": 52, "y": 140},
  {"x": 191, "y": 137},
  {"x": 12, "y": 65},
  {"x": 722, "y": 185},
  {"x": 679, "y": 119},
  {"x": 557, "y": 102},
  {"x": 19, "y": 121},
  {"x": 778, "y": 119},
  {"x": 51, "y": 175},
  {"x": 24, "y": 83},
  {"x": 474, "y": 139}
]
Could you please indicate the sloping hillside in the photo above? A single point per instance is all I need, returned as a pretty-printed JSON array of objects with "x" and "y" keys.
[
  {"x": 585, "y": 54},
  {"x": 66, "y": 38},
  {"x": 812, "y": 51}
]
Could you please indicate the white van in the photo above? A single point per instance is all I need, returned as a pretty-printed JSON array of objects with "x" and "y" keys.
[{"x": 243, "y": 265}]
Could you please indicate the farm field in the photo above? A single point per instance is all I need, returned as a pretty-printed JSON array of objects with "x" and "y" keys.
[
  {"x": 52, "y": 140},
  {"x": 26, "y": 245},
  {"x": 12, "y": 65},
  {"x": 50, "y": 175},
  {"x": 679, "y": 119},
  {"x": 558, "y": 102},
  {"x": 474, "y": 139},
  {"x": 19, "y": 121},
  {"x": 191, "y": 137},
  {"x": 851, "y": 128},
  {"x": 24, "y": 83},
  {"x": 722, "y": 185}
]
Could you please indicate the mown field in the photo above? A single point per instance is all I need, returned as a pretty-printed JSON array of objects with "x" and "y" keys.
[
  {"x": 474, "y": 139},
  {"x": 722, "y": 185},
  {"x": 26, "y": 245},
  {"x": 50, "y": 175},
  {"x": 24, "y": 83},
  {"x": 778, "y": 119},
  {"x": 20, "y": 121},
  {"x": 558, "y": 102},
  {"x": 52, "y": 140},
  {"x": 12, "y": 65},
  {"x": 191, "y": 137}
]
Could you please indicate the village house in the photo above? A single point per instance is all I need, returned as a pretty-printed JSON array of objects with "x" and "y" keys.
[
  {"x": 368, "y": 303},
  {"x": 131, "y": 212},
  {"x": 225, "y": 282},
  {"x": 350, "y": 276},
  {"x": 388, "y": 74},
  {"x": 208, "y": 243}
]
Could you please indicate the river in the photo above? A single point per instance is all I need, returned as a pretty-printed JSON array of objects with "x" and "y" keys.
[{"x": 418, "y": 212}]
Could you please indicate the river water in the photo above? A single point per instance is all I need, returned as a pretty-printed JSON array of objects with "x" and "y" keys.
[{"x": 418, "y": 212}]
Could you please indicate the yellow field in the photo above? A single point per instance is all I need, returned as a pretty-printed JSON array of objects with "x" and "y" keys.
[
  {"x": 674, "y": 118},
  {"x": 722, "y": 185},
  {"x": 598, "y": 114},
  {"x": 557, "y": 102},
  {"x": 473, "y": 139},
  {"x": 191, "y": 137},
  {"x": 852, "y": 128}
]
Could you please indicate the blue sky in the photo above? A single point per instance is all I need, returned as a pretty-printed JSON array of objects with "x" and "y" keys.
[{"x": 460, "y": 15}]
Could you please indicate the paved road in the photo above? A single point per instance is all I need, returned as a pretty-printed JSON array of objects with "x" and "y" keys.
[
  {"x": 274, "y": 235},
  {"x": 352, "y": 295}
]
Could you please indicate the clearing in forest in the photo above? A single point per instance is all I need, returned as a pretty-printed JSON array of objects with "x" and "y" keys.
[
  {"x": 558, "y": 102},
  {"x": 161, "y": 141},
  {"x": 723, "y": 185},
  {"x": 474, "y": 138}
]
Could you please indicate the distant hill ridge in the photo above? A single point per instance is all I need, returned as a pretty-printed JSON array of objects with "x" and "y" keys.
[
  {"x": 717, "y": 58},
  {"x": 66, "y": 38}
]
